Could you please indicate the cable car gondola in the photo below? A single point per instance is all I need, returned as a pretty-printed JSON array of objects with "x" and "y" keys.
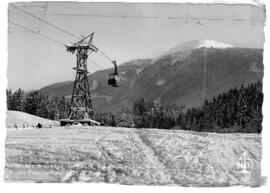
[{"x": 113, "y": 77}]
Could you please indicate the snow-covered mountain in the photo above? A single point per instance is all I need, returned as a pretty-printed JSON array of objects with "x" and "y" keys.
[
  {"x": 194, "y": 44},
  {"x": 186, "y": 77}
]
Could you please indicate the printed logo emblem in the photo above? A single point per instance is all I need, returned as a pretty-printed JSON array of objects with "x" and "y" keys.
[{"x": 244, "y": 164}]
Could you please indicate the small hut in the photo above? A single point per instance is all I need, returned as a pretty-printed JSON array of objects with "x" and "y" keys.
[{"x": 124, "y": 123}]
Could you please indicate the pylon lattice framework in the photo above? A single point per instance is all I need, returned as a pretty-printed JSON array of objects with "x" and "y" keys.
[{"x": 81, "y": 102}]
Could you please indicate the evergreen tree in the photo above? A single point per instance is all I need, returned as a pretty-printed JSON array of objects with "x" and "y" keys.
[{"x": 237, "y": 110}]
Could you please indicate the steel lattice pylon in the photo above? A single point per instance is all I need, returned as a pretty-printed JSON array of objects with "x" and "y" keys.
[{"x": 81, "y": 103}]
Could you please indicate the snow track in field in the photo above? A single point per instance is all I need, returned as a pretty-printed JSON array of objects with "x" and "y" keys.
[
  {"x": 130, "y": 156},
  {"x": 153, "y": 159}
]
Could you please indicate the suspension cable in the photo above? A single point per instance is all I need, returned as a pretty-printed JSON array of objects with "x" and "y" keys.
[
  {"x": 42, "y": 20},
  {"x": 43, "y": 35}
]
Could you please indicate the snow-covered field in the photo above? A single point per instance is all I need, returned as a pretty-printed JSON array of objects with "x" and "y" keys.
[
  {"x": 17, "y": 119},
  {"x": 131, "y": 156}
]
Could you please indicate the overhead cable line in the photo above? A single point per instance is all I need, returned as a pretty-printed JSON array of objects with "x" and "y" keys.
[
  {"x": 157, "y": 17},
  {"x": 42, "y": 20},
  {"x": 50, "y": 24},
  {"x": 31, "y": 5},
  {"x": 30, "y": 30},
  {"x": 106, "y": 16},
  {"x": 52, "y": 39},
  {"x": 43, "y": 15},
  {"x": 95, "y": 63},
  {"x": 105, "y": 55}
]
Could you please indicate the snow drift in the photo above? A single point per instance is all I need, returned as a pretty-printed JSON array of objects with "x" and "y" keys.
[{"x": 22, "y": 119}]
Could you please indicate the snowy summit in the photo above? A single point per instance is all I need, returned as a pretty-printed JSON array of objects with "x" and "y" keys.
[{"x": 194, "y": 44}]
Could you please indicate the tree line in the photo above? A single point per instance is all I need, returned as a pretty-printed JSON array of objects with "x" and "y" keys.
[
  {"x": 37, "y": 104},
  {"x": 54, "y": 108},
  {"x": 237, "y": 110}
]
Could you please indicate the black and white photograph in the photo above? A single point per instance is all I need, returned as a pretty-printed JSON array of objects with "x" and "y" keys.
[{"x": 137, "y": 94}]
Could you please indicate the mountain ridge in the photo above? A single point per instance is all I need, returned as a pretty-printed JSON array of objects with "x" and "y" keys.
[
  {"x": 186, "y": 77},
  {"x": 195, "y": 44}
]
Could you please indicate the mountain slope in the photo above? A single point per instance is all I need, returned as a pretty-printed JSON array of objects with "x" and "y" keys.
[
  {"x": 192, "y": 76},
  {"x": 22, "y": 119},
  {"x": 186, "y": 77}
]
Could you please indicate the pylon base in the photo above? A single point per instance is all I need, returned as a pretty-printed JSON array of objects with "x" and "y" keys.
[{"x": 68, "y": 122}]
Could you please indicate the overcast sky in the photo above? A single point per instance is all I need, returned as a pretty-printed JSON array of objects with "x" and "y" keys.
[{"x": 123, "y": 31}]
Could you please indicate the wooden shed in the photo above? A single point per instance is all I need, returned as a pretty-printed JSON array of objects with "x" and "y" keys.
[{"x": 124, "y": 123}]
